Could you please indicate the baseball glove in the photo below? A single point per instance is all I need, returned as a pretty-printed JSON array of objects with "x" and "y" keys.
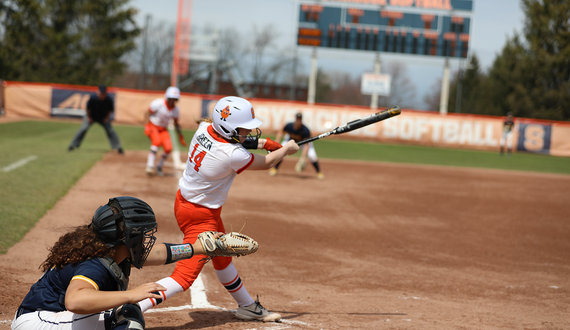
[
  {"x": 228, "y": 245},
  {"x": 301, "y": 164}
]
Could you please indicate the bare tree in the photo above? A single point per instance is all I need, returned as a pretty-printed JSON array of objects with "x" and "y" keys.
[
  {"x": 345, "y": 89},
  {"x": 232, "y": 46},
  {"x": 160, "y": 48},
  {"x": 433, "y": 98},
  {"x": 402, "y": 89},
  {"x": 267, "y": 62}
]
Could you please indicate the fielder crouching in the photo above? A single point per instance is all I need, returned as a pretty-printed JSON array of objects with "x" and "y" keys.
[{"x": 87, "y": 271}]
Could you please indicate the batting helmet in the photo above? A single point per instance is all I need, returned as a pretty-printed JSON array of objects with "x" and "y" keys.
[
  {"x": 232, "y": 112},
  {"x": 172, "y": 93},
  {"x": 127, "y": 221}
]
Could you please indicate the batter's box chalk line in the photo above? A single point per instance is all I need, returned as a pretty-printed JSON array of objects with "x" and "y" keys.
[
  {"x": 283, "y": 324},
  {"x": 200, "y": 300}
]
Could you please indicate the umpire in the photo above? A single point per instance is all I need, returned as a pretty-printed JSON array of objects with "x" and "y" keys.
[{"x": 99, "y": 109}]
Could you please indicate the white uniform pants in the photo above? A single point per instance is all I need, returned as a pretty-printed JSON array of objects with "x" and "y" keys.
[
  {"x": 66, "y": 320},
  {"x": 508, "y": 138}
]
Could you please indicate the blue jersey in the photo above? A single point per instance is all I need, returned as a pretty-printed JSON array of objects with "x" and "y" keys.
[
  {"x": 48, "y": 293},
  {"x": 508, "y": 126},
  {"x": 297, "y": 134}
]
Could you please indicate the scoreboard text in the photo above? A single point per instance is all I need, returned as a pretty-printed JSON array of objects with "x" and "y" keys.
[{"x": 404, "y": 27}]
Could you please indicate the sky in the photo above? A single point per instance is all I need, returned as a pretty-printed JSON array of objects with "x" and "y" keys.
[{"x": 493, "y": 22}]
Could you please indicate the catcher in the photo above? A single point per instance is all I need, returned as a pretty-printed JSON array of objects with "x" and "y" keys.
[
  {"x": 297, "y": 132},
  {"x": 87, "y": 270}
]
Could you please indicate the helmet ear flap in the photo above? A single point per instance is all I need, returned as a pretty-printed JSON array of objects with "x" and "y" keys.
[{"x": 227, "y": 131}]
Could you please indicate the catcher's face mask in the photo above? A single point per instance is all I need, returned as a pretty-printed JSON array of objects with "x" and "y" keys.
[
  {"x": 139, "y": 243},
  {"x": 127, "y": 221}
]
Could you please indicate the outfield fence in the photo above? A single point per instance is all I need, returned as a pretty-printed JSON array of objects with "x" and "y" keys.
[{"x": 36, "y": 100}]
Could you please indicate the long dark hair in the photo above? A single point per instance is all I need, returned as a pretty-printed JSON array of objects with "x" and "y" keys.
[{"x": 75, "y": 246}]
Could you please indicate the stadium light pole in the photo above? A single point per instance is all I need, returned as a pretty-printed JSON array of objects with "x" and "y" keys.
[
  {"x": 374, "y": 99},
  {"x": 444, "y": 89},
  {"x": 181, "y": 43},
  {"x": 181, "y": 56},
  {"x": 176, "y": 55},
  {"x": 312, "y": 78}
]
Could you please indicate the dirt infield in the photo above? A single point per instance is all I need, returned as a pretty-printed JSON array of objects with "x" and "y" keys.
[{"x": 373, "y": 246}]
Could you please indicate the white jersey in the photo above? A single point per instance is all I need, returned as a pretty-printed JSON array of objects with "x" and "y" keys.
[
  {"x": 160, "y": 114},
  {"x": 212, "y": 165}
]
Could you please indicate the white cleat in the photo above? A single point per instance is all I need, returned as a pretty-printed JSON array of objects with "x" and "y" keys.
[
  {"x": 256, "y": 312},
  {"x": 150, "y": 171}
]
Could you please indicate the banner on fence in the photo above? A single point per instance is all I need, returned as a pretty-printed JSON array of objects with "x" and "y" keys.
[{"x": 412, "y": 127}]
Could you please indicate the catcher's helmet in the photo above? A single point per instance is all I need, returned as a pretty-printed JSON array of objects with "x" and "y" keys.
[
  {"x": 232, "y": 112},
  {"x": 127, "y": 221}
]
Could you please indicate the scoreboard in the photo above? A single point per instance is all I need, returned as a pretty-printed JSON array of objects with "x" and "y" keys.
[{"x": 420, "y": 27}]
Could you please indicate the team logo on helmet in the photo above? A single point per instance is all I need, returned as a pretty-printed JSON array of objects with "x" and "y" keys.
[
  {"x": 252, "y": 114},
  {"x": 225, "y": 113}
]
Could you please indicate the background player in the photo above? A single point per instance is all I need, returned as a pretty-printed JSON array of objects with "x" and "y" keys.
[
  {"x": 507, "y": 136},
  {"x": 298, "y": 132},
  {"x": 160, "y": 112},
  {"x": 100, "y": 107},
  {"x": 87, "y": 272},
  {"x": 216, "y": 157}
]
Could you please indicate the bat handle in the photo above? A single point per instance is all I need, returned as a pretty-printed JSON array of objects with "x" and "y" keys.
[
  {"x": 311, "y": 139},
  {"x": 307, "y": 140}
]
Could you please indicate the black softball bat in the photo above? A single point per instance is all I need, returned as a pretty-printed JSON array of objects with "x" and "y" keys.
[{"x": 356, "y": 124}]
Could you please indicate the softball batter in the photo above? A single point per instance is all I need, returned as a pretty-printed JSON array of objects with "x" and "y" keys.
[
  {"x": 160, "y": 112},
  {"x": 87, "y": 272},
  {"x": 217, "y": 154},
  {"x": 299, "y": 132}
]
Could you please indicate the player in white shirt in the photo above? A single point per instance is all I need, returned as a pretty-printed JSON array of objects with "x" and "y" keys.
[
  {"x": 217, "y": 154},
  {"x": 159, "y": 115}
]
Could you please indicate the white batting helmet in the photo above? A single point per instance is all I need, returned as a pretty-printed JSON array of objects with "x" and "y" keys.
[
  {"x": 172, "y": 93},
  {"x": 232, "y": 112}
]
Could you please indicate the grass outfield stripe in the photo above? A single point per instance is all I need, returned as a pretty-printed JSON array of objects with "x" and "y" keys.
[
  {"x": 28, "y": 192},
  {"x": 19, "y": 163}
]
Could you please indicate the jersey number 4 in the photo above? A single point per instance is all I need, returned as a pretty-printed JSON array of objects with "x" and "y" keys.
[{"x": 197, "y": 160}]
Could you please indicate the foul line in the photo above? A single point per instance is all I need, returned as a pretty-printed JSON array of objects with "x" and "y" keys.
[{"x": 19, "y": 163}]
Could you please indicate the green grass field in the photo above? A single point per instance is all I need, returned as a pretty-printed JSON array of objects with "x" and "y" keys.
[{"x": 29, "y": 191}]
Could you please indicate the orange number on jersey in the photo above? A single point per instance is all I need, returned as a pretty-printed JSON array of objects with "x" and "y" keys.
[{"x": 198, "y": 159}]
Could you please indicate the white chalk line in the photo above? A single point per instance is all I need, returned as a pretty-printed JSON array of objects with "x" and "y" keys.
[
  {"x": 200, "y": 301},
  {"x": 19, "y": 163}
]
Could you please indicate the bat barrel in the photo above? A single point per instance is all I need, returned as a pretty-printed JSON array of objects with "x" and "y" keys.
[
  {"x": 374, "y": 118},
  {"x": 356, "y": 124}
]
